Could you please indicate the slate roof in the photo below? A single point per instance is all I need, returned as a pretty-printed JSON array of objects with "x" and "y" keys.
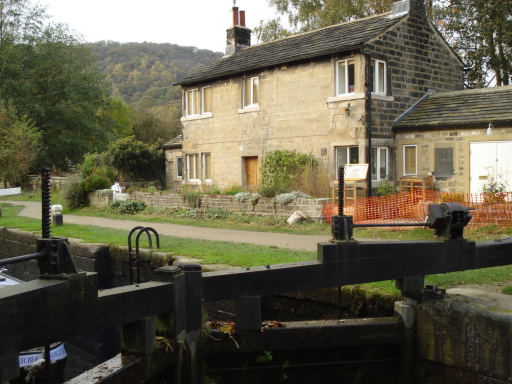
[
  {"x": 329, "y": 40},
  {"x": 175, "y": 143},
  {"x": 469, "y": 107}
]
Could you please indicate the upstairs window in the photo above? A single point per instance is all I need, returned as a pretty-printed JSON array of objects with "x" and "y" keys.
[
  {"x": 345, "y": 77},
  {"x": 410, "y": 164},
  {"x": 379, "y": 77},
  {"x": 198, "y": 101},
  {"x": 250, "y": 95},
  {"x": 206, "y": 100},
  {"x": 379, "y": 163},
  {"x": 192, "y": 102},
  {"x": 345, "y": 155}
]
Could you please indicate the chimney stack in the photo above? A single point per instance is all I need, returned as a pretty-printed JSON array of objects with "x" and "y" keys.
[
  {"x": 235, "y": 16},
  {"x": 238, "y": 36},
  {"x": 242, "y": 18}
]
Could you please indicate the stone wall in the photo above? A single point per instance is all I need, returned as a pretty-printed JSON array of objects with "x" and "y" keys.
[
  {"x": 59, "y": 183},
  {"x": 101, "y": 199},
  {"x": 312, "y": 208},
  {"x": 459, "y": 140}
]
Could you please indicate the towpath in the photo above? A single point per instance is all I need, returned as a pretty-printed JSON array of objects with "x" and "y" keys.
[{"x": 281, "y": 240}]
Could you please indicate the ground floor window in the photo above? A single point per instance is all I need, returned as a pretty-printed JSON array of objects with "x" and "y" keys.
[
  {"x": 409, "y": 157},
  {"x": 443, "y": 162},
  {"x": 380, "y": 156},
  {"x": 179, "y": 167},
  {"x": 345, "y": 155},
  {"x": 192, "y": 166},
  {"x": 206, "y": 162}
]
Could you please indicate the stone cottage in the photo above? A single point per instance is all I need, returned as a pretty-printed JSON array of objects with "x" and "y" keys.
[
  {"x": 462, "y": 138},
  {"x": 332, "y": 92}
]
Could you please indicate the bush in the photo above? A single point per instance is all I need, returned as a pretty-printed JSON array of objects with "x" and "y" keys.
[
  {"x": 385, "y": 188},
  {"x": 233, "y": 190},
  {"x": 192, "y": 198},
  {"x": 75, "y": 195},
  {"x": 134, "y": 158},
  {"x": 287, "y": 198},
  {"x": 453, "y": 198},
  {"x": 128, "y": 207},
  {"x": 94, "y": 182},
  {"x": 281, "y": 170},
  {"x": 217, "y": 213}
]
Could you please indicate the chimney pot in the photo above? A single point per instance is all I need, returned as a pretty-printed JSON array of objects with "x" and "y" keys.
[
  {"x": 235, "y": 16},
  {"x": 242, "y": 18}
]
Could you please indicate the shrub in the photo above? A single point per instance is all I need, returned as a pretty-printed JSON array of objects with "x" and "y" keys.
[
  {"x": 128, "y": 207},
  {"x": 494, "y": 190},
  {"x": 233, "y": 190},
  {"x": 385, "y": 188},
  {"x": 95, "y": 182},
  {"x": 192, "y": 198},
  {"x": 76, "y": 195},
  {"x": 217, "y": 213},
  {"x": 137, "y": 159},
  {"x": 287, "y": 198},
  {"x": 453, "y": 198},
  {"x": 281, "y": 170}
]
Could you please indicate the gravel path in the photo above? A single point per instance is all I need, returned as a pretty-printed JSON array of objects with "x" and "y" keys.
[{"x": 281, "y": 240}]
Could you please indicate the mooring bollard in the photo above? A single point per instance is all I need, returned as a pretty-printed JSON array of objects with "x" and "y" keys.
[{"x": 57, "y": 218}]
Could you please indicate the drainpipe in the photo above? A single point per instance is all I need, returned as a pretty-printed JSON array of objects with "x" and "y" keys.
[{"x": 368, "y": 108}]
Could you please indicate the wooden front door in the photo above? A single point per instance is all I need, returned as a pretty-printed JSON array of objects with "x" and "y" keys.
[{"x": 251, "y": 173}]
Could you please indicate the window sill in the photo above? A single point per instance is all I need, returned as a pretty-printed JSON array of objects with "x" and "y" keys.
[
  {"x": 254, "y": 108},
  {"x": 207, "y": 115},
  {"x": 382, "y": 97},
  {"x": 347, "y": 97}
]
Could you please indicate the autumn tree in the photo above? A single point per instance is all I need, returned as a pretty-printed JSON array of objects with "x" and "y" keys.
[
  {"x": 306, "y": 15},
  {"x": 480, "y": 31},
  {"x": 50, "y": 77},
  {"x": 19, "y": 146}
]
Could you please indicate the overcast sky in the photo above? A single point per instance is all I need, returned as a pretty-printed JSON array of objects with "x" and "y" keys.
[{"x": 200, "y": 23}]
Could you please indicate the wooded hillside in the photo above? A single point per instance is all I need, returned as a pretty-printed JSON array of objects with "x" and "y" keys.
[{"x": 143, "y": 73}]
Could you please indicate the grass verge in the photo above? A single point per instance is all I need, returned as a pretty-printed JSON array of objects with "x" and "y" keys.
[{"x": 210, "y": 252}]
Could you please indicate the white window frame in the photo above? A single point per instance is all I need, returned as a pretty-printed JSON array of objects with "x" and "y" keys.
[
  {"x": 203, "y": 112},
  {"x": 348, "y": 157},
  {"x": 376, "y": 77},
  {"x": 347, "y": 62},
  {"x": 415, "y": 160},
  {"x": 252, "y": 104},
  {"x": 193, "y": 102},
  {"x": 377, "y": 161},
  {"x": 203, "y": 165},
  {"x": 192, "y": 176},
  {"x": 178, "y": 176}
]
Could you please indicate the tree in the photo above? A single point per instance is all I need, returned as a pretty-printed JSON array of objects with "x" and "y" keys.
[
  {"x": 19, "y": 146},
  {"x": 48, "y": 75},
  {"x": 116, "y": 117},
  {"x": 306, "y": 15},
  {"x": 481, "y": 33}
]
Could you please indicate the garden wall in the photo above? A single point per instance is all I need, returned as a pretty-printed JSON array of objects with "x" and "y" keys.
[{"x": 312, "y": 208}]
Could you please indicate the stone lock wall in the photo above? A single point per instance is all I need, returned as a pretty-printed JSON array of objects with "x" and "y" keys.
[
  {"x": 110, "y": 262},
  {"x": 312, "y": 208}
]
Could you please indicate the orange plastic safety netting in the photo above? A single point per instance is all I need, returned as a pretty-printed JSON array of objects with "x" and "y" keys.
[{"x": 486, "y": 208}]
